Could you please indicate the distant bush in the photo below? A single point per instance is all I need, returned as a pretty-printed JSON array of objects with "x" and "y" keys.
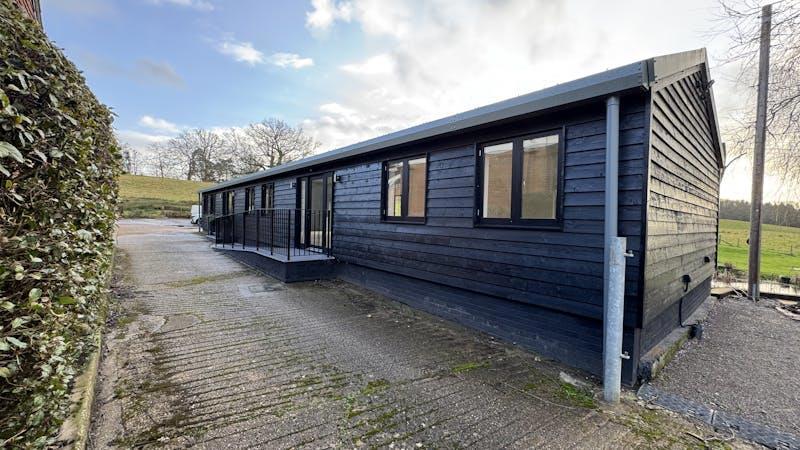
[
  {"x": 58, "y": 194},
  {"x": 154, "y": 208}
]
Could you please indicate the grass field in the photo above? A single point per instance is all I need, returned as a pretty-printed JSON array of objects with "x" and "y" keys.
[
  {"x": 780, "y": 248},
  {"x": 157, "y": 197}
]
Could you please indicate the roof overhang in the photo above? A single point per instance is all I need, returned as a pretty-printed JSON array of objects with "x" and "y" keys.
[{"x": 636, "y": 75}]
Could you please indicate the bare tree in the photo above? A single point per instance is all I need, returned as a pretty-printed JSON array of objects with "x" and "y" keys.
[
  {"x": 201, "y": 152},
  {"x": 239, "y": 144},
  {"x": 739, "y": 21},
  {"x": 126, "y": 157},
  {"x": 159, "y": 161},
  {"x": 274, "y": 142},
  {"x": 131, "y": 160}
]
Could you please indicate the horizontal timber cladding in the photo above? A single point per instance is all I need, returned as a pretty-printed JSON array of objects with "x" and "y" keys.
[
  {"x": 285, "y": 193},
  {"x": 682, "y": 206},
  {"x": 675, "y": 315},
  {"x": 559, "y": 270}
]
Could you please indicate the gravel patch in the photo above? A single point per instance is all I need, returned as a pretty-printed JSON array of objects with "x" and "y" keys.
[{"x": 747, "y": 364}]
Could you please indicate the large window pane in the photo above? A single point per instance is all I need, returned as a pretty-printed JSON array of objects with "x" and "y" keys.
[
  {"x": 539, "y": 177},
  {"x": 249, "y": 199},
  {"x": 315, "y": 206},
  {"x": 303, "y": 194},
  {"x": 394, "y": 189},
  {"x": 417, "y": 174},
  {"x": 266, "y": 195},
  {"x": 497, "y": 163}
]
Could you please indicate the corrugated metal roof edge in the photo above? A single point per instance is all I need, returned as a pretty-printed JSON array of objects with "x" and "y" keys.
[{"x": 638, "y": 74}]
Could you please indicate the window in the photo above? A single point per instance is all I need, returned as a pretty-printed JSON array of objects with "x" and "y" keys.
[
  {"x": 267, "y": 195},
  {"x": 249, "y": 199},
  {"x": 227, "y": 202},
  {"x": 404, "y": 187},
  {"x": 519, "y": 183}
]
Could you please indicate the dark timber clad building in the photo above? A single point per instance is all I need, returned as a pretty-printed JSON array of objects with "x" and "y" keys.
[{"x": 494, "y": 217}]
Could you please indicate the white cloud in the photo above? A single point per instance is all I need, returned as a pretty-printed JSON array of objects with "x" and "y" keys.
[
  {"x": 241, "y": 51},
  {"x": 290, "y": 60},
  {"x": 375, "y": 65},
  {"x": 338, "y": 125},
  {"x": 200, "y": 5},
  {"x": 157, "y": 124},
  {"x": 138, "y": 140},
  {"x": 326, "y": 12},
  {"x": 245, "y": 52},
  {"x": 431, "y": 58}
]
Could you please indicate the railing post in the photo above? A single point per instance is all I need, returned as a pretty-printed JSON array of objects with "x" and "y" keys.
[
  {"x": 258, "y": 228},
  {"x": 329, "y": 235},
  {"x": 244, "y": 229},
  {"x": 271, "y": 230},
  {"x": 289, "y": 237}
]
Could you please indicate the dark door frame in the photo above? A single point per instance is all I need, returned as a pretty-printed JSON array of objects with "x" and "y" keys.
[{"x": 327, "y": 227}]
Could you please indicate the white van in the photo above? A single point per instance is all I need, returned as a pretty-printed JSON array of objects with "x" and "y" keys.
[{"x": 196, "y": 215}]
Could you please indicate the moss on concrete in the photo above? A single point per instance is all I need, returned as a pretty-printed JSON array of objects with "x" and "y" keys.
[{"x": 469, "y": 367}]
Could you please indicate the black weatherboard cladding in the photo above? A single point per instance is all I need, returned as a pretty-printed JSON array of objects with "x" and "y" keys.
[
  {"x": 546, "y": 284},
  {"x": 541, "y": 288},
  {"x": 683, "y": 205}
]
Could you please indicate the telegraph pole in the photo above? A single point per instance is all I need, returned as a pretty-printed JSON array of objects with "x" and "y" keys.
[{"x": 754, "y": 271}]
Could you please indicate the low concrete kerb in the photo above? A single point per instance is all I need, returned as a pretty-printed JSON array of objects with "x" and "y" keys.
[
  {"x": 74, "y": 431},
  {"x": 659, "y": 356}
]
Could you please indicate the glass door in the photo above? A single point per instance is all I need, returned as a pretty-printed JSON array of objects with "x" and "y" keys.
[{"x": 316, "y": 203}]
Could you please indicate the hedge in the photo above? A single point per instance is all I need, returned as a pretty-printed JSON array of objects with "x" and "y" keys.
[{"x": 59, "y": 162}]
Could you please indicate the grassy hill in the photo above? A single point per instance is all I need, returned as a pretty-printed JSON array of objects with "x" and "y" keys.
[
  {"x": 780, "y": 248},
  {"x": 157, "y": 197}
]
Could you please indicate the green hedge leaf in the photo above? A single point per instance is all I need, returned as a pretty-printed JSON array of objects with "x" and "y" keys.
[
  {"x": 35, "y": 294},
  {"x": 66, "y": 300},
  {"x": 9, "y": 151},
  {"x": 59, "y": 163},
  {"x": 16, "y": 342}
]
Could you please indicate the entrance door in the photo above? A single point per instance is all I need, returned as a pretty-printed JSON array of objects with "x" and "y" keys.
[{"x": 316, "y": 202}]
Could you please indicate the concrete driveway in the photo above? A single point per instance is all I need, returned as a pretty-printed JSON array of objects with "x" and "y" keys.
[{"x": 202, "y": 351}]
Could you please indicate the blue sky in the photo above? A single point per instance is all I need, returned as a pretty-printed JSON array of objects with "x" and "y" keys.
[
  {"x": 349, "y": 70},
  {"x": 166, "y": 60}
]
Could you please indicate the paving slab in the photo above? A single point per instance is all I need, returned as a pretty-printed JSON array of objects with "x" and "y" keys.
[{"x": 203, "y": 352}]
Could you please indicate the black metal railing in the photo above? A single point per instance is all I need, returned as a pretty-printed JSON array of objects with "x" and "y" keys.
[
  {"x": 206, "y": 223},
  {"x": 285, "y": 232}
]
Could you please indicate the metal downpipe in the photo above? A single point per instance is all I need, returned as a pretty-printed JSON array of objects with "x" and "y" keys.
[{"x": 613, "y": 262}]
